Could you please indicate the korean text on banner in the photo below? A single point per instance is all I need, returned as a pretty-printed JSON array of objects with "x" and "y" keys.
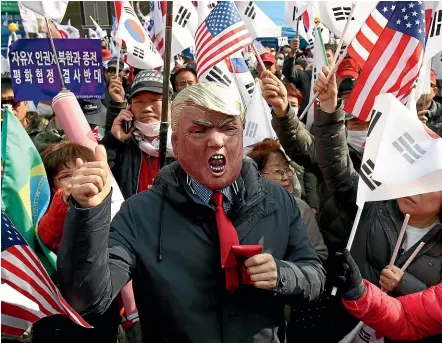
[{"x": 34, "y": 72}]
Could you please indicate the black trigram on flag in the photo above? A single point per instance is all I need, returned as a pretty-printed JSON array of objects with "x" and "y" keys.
[
  {"x": 251, "y": 129},
  {"x": 408, "y": 148},
  {"x": 138, "y": 52},
  {"x": 375, "y": 115},
  {"x": 182, "y": 16},
  {"x": 129, "y": 11},
  {"x": 311, "y": 43},
  {"x": 342, "y": 13},
  {"x": 250, "y": 87},
  {"x": 364, "y": 335},
  {"x": 216, "y": 75},
  {"x": 250, "y": 10},
  {"x": 211, "y": 5},
  {"x": 295, "y": 12},
  {"x": 365, "y": 174},
  {"x": 436, "y": 22}
]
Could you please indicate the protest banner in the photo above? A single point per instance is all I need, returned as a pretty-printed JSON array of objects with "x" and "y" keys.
[{"x": 34, "y": 74}]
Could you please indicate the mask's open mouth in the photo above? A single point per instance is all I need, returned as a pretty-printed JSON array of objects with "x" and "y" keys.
[{"x": 217, "y": 163}]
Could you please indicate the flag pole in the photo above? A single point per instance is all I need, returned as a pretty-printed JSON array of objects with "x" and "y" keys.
[
  {"x": 55, "y": 54},
  {"x": 261, "y": 63},
  {"x": 117, "y": 72},
  {"x": 166, "y": 75},
  {"x": 339, "y": 57}
]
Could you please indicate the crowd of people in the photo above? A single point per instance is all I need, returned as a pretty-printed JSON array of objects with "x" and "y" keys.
[{"x": 219, "y": 246}]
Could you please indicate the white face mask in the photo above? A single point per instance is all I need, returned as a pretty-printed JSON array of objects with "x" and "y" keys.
[
  {"x": 149, "y": 130},
  {"x": 279, "y": 62},
  {"x": 357, "y": 139}
]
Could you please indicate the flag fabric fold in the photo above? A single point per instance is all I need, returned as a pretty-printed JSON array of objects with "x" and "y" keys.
[
  {"x": 24, "y": 275},
  {"x": 256, "y": 21},
  {"x": 54, "y": 10},
  {"x": 374, "y": 159},
  {"x": 141, "y": 52},
  {"x": 395, "y": 59}
]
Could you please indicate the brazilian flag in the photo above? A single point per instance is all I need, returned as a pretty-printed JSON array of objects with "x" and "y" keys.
[{"x": 25, "y": 188}]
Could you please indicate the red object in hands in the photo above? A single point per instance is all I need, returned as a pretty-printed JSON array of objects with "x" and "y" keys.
[
  {"x": 243, "y": 253},
  {"x": 233, "y": 255}
]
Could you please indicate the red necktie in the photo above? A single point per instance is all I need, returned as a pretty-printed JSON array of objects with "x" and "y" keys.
[{"x": 228, "y": 237}]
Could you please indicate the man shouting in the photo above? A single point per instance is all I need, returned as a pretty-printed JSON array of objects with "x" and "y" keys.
[{"x": 213, "y": 249}]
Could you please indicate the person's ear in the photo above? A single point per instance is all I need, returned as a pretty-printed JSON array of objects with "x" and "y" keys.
[
  {"x": 175, "y": 144},
  {"x": 26, "y": 122}
]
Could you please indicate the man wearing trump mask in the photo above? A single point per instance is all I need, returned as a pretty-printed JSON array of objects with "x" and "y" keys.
[{"x": 213, "y": 248}]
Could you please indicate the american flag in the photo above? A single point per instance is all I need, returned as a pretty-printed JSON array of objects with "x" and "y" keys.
[
  {"x": 261, "y": 49},
  {"x": 368, "y": 35},
  {"x": 220, "y": 35},
  {"x": 396, "y": 56},
  {"x": 23, "y": 272}
]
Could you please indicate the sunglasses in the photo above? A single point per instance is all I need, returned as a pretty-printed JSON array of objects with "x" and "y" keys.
[{"x": 11, "y": 102}]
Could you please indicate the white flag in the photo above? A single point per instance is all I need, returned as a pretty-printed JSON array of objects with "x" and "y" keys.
[
  {"x": 257, "y": 22},
  {"x": 436, "y": 65},
  {"x": 204, "y": 8},
  {"x": 5, "y": 69},
  {"x": 67, "y": 31},
  {"x": 92, "y": 34},
  {"x": 370, "y": 188},
  {"x": 307, "y": 12},
  {"x": 423, "y": 85},
  {"x": 101, "y": 33},
  {"x": 29, "y": 18},
  {"x": 258, "y": 120},
  {"x": 434, "y": 39},
  {"x": 185, "y": 23},
  {"x": 334, "y": 15},
  {"x": 319, "y": 61},
  {"x": 54, "y": 10},
  {"x": 408, "y": 150},
  {"x": 141, "y": 53},
  {"x": 233, "y": 73}
]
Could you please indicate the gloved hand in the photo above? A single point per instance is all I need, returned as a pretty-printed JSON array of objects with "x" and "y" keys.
[{"x": 348, "y": 278}]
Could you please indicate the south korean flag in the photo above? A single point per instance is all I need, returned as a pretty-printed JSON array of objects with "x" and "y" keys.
[
  {"x": 185, "y": 23},
  {"x": 141, "y": 53},
  {"x": 433, "y": 15}
]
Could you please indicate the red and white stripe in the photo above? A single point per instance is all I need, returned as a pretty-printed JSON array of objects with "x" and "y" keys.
[
  {"x": 210, "y": 50},
  {"x": 366, "y": 38},
  {"x": 392, "y": 67},
  {"x": 22, "y": 271}
]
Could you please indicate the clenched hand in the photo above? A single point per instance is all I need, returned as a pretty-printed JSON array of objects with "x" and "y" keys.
[
  {"x": 328, "y": 91},
  {"x": 91, "y": 182},
  {"x": 390, "y": 278},
  {"x": 275, "y": 93},
  {"x": 262, "y": 271}
]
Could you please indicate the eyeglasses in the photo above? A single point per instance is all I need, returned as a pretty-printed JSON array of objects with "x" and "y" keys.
[
  {"x": 11, "y": 102},
  {"x": 112, "y": 70},
  {"x": 279, "y": 173}
]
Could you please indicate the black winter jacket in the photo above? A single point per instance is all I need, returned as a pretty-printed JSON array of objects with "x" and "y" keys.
[
  {"x": 301, "y": 79},
  {"x": 166, "y": 240},
  {"x": 435, "y": 117}
]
